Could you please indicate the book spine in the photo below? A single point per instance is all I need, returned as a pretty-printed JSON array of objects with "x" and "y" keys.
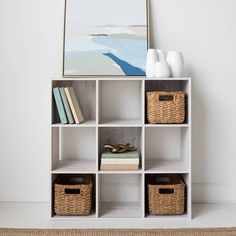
[
  {"x": 76, "y": 104},
  {"x": 66, "y": 106},
  {"x": 71, "y": 105},
  {"x": 60, "y": 106},
  {"x": 134, "y": 161}
]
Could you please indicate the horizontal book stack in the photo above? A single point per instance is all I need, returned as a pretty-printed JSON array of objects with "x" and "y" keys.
[
  {"x": 67, "y": 105},
  {"x": 120, "y": 161}
]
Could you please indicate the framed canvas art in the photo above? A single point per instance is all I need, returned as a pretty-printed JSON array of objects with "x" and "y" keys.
[{"x": 105, "y": 37}]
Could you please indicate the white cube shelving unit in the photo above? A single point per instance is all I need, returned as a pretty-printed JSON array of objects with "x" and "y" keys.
[{"x": 114, "y": 109}]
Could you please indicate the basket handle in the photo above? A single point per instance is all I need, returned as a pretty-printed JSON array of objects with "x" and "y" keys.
[
  {"x": 166, "y": 98},
  {"x": 166, "y": 191},
  {"x": 72, "y": 191}
]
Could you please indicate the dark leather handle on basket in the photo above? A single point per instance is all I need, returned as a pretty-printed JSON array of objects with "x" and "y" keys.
[
  {"x": 166, "y": 98},
  {"x": 72, "y": 191},
  {"x": 166, "y": 191}
]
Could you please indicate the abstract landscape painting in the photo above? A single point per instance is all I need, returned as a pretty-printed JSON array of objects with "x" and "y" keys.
[{"x": 105, "y": 37}]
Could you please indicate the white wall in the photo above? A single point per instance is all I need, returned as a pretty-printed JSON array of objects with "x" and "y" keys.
[{"x": 31, "y": 53}]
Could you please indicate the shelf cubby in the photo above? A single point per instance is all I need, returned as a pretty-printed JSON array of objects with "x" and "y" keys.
[
  {"x": 120, "y": 102},
  {"x": 187, "y": 203},
  {"x": 123, "y": 135},
  {"x": 115, "y": 200},
  {"x": 92, "y": 215},
  {"x": 169, "y": 86},
  {"x": 166, "y": 149},
  {"x": 74, "y": 150},
  {"x": 86, "y": 94}
]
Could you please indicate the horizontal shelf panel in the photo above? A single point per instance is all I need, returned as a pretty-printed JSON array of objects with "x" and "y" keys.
[
  {"x": 89, "y": 123},
  {"x": 91, "y": 216},
  {"x": 157, "y": 166},
  {"x": 115, "y": 78},
  {"x": 120, "y": 210},
  {"x": 74, "y": 166},
  {"x": 167, "y": 217},
  {"x": 120, "y": 123},
  {"x": 168, "y": 125}
]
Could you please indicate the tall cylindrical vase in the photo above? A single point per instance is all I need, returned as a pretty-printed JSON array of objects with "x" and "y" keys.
[
  {"x": 176, "y": 62},
  {"x": 151, "y": 63}
]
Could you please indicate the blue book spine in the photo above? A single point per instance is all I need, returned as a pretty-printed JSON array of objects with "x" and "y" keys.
[
  {"x": 66, "y": 106},
  {"x": 60, "y": 106}
]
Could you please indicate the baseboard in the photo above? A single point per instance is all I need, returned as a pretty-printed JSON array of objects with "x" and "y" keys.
[{"x": 213, "y": 193}]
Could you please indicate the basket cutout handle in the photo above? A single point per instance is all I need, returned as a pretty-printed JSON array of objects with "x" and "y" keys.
[
  {"x": 166, "y": 98},
  {"x": 166, "y": 191},
  {"x": 72, "y": 191}
]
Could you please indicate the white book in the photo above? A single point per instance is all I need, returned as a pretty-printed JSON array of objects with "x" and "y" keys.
[
  {"x": 131, "y": 161},
  {"x": 74, "y": 105}
]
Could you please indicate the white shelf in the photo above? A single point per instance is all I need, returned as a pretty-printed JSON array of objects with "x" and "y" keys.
[
  {"x": 167, "y": 217},
  {"x": 92, "y": 216},
  {"x": 120, "y": 210},
  {"x": 156, "y": 166},
  {"x": 167, "y": 125},
  {"x": 141, "y": 78},
  {"x": 114, "y": 111},
  {"x": 88, "y": 123},
  {"x": 120, "y": 123},
  {"x": 74, "y": 166}
]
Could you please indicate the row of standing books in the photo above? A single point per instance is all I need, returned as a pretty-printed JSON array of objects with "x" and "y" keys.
[
  {"x": 120, "y": 161},
  {"x": 67, "y": 105}
]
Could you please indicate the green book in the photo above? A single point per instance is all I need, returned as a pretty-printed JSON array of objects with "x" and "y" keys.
[
  {"x": 66, "y": 106},
  {"x": 131, "y": 154},
  {"x": 60, "y": 107}
]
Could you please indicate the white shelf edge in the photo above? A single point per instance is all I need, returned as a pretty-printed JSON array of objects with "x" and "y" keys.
[
  {"x": 74, "y": 167},
  {"x": 91, "y": 123},
  {"x": 167, "y": 125},
  {"x": 120, "y": 123},
  {"x": 110, "y": 78}
]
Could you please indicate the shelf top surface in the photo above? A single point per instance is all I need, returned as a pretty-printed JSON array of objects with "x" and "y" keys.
[{"x": 120, "y": 78}]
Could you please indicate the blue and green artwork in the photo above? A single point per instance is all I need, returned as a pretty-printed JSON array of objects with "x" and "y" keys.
[{"x": 105, "y": 37}]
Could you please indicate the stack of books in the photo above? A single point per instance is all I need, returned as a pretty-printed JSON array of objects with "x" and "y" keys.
[
  {"x": 120, "y": 161},
  {"x": 67, "y": 105}
]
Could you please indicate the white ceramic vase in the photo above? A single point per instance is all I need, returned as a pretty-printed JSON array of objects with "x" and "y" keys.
[
  {"x": 176, "y": 63},
  {"x": 151, "y": 63},
  {"x": 162, "y": 69}
]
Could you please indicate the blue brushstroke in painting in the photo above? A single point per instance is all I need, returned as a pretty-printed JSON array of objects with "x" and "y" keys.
[
  {"x": 125, "y": 66},
  {"x": 130, "y": 50}
]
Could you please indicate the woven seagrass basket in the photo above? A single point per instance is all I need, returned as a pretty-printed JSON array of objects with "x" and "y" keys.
[
  {"x": 166, "y": 107},
  {"x": 166, "y": 195},
  {"x": 73, "y": 195}
]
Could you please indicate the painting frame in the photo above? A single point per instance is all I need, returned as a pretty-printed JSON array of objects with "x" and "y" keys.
[{"x": 147, "y": 42}]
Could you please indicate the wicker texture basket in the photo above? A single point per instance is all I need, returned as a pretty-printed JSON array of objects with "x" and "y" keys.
[
  {"x": 166, "y": 107},
  {"x": 166, "y": 195},
  {"x": 73, "y": 195}
]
